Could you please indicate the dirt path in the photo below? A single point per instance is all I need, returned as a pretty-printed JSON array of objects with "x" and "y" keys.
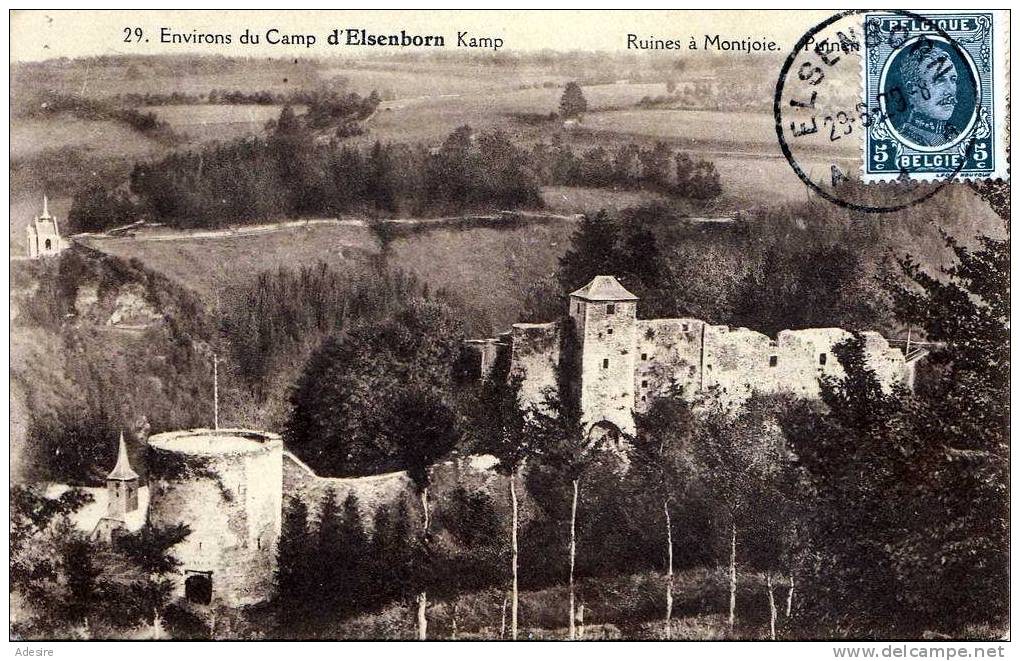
[{"x": 269, "y": 228}]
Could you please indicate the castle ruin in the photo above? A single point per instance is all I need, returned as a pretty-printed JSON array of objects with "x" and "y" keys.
[
  {"x": 229, "y": 485},
  {"x": 625, "y": 363}
]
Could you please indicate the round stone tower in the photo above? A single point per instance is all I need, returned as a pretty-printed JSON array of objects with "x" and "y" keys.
[{"x": 225, "y": 485}]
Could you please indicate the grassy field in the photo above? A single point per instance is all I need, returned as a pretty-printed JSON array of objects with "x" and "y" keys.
[
  {"x": 743, "y": 131},
  {"x": 491, "y": 270},
  {"x": 407, "y": 83},
  {"x": 31, "y": 138},
  {"x": 205, "y": 123},
  {"x": 208, "y": 265},
  {"x": 572, "y": 200},
  {"x": 152, "y": 76},
  {"x": 431, "y": 118}
]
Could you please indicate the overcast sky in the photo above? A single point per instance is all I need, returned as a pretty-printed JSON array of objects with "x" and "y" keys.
[{"x": 38, "y": 35}]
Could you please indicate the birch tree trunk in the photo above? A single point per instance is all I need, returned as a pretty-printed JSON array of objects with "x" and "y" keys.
[
  {"x": 772, "y": 605},
  {"x": 423, "y": 623},
  {"x": 425, "y": 511},
  {"x": 513, "y": 557},
  {"x": 669, "y": 572},
  {"x": 789, "y": 598},
  {"x": 733, "y": 575},
  {"x": 502, "y": 620},
  {"x": 573, "y": 552}
]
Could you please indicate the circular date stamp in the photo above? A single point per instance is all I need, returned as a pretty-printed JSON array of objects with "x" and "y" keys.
[{"x": 879, "y": 110}]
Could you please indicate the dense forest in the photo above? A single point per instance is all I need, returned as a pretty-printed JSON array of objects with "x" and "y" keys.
[
  {"x": 103, "y": 346},
  {"x": 295, "y": 173}
]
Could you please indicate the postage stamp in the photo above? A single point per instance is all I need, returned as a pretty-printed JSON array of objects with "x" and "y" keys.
[{"x": 937, "y": 84}]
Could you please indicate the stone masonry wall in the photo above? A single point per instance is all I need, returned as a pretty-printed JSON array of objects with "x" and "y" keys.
[
  {"x": 231, "y": 503},
  {"x": 651, "y": 356},
  {"x": 668, "y": 353},
  {"x": 535, "y": 355},
  {"x": 375, "y": 491}
]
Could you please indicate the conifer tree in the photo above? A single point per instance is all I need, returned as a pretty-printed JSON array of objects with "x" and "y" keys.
[
  {"x": 353, "y": 552},
  {"x": 593, "y": 251},
  {"x": 295, "y": 545},
  {"x": 329, "y": 546},
  {"x": 573, "y": 104}
]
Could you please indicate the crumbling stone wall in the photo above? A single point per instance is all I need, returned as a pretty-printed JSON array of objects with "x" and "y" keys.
[
  {"x": 668, "y": 356},
  {"x": 373, "y": 491},
  {"x": 648, "y": 358},
  {"x": 231, "y": 501},
  {"x": 736, "y": 362},
  {"x": 535, "y": 357},
  {"x": 389, "y": 489}
]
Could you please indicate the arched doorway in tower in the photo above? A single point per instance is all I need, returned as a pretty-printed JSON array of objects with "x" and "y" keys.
[
  {"x": 198, "y": 587},
  {"x": 604, "y": 435},
  {"x": 49, "y": 244}
]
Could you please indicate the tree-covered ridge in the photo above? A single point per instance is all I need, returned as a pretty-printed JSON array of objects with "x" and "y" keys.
[
  {"x": 743, "y": 275},
  {"x": 100, "y": 346},
  {"x": 294, "y": 172}
]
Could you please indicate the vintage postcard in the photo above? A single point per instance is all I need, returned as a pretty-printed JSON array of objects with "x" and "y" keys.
[{"x": 510, "y": 326}]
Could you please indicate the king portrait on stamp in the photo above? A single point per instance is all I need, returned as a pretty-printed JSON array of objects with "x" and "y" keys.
[
  {"x": 936, "y": 86},
  {"x": 929, "y": 83}
]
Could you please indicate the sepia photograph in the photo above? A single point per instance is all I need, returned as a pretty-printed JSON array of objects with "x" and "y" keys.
[{"x": 530, "y": 325}]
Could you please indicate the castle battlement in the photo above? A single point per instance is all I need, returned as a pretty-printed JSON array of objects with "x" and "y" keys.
[{"x": 626, "y": 363}]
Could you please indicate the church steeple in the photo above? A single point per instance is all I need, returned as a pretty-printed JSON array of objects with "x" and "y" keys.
[
  {"x": 122, "y": 485},
  {"x": 123, "y": 470}
]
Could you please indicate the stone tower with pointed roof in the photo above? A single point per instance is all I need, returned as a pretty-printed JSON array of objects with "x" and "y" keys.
[
  {"x": 605, "y": 321},
  {"x": 122, "y": 485},
  {"x": 44, "y": 235}
]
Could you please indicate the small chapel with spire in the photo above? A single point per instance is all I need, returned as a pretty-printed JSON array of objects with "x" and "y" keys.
[
  {"x": 122, "y": 484},
  {"x": 122, "y": 491},
  {"x": 44, "y": 235}
]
